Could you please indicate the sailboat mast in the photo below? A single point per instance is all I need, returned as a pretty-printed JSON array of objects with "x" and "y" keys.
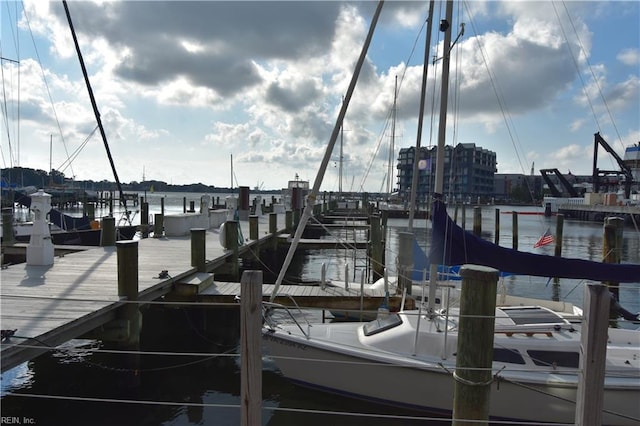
[
  {"x": 123, "y": 201},
  {"x": 311, "y": 198},
  {"x": 392, "y": 147},
  {"x": 423, "y": 94},
  {"x": 445, "y": 26}
]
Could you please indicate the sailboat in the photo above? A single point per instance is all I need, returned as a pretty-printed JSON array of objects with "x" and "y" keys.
[{"x": 408, "y": 359}]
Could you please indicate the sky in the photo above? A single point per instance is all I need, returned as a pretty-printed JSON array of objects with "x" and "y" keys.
[{"x": 248, "y": 93}]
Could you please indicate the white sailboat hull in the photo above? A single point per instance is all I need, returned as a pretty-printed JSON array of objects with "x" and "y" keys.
[{"x": 424, "y": 381}]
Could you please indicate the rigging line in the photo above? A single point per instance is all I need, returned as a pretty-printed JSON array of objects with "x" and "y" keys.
[
  {"x": 67, "y": 163},
  {"x": 46, "y": 85},
  {"x": 16, "y": 42},
  {"x": 595, "y": 80}
]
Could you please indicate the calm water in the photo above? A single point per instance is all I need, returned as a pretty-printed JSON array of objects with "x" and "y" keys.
[{"x": 84, "y": 385}]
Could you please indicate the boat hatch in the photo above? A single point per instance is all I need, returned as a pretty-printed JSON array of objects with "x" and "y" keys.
[
  {"x": 523, "y": 315},
  {"x": 381, "y": 324}
]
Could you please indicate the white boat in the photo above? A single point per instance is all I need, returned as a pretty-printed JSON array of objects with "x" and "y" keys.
[{"x": 535, "y": 366}]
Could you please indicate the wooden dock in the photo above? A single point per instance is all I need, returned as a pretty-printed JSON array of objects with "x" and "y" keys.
[{"x": 49, "y": 305}]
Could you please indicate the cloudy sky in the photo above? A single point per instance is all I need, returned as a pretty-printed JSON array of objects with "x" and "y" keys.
[{"x": 184, "y": 86}]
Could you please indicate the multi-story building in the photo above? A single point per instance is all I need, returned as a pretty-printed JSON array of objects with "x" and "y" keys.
[{"x": 468, "y": 172}]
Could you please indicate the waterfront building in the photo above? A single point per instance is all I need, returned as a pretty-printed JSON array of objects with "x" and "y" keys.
[{"x": 468, "y": 172}]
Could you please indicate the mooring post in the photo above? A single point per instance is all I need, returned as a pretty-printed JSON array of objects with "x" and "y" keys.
[
  {"x": 377, "y": 265},
  {"x": 612, "y": 247},
  {"x": 162, "y": 206},
  {"x": 198, "y": 248},
  {"x": 158, "y": 225},
  {"x": 497, "y": 232},
  {"x": 288, "y": 220},
  {"x": 231, "y": 243},
  {"x": 475, "y": 345},
  {"x": 253, "y": 227},
  {"x": 405, "y": 262},
  {"x": 296, "y": 217},
  {"x": 273, "y": 223},
  {"x": 514, "y": 230},
  {"x": 593, "y": 354},
  {"x": 558, "y": 240},
  {"x": 455, "y": 213},
  {"x": 250, "y": 348},
  {"x": 91, "y": 211},
  {"x": 127, "y": 256},
  {"x": 108, "y": 231},
  {"x": 8, "y": 236},
  {"x": 477, "y": 221},
  {"x": 144, "y": 219},
  {"x": 463, "y": 217}
]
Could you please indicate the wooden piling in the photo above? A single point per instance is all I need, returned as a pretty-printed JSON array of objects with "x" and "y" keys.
[
  {"x": 231, "y": 243},
  {"x": 250, "y": 348},
  {"x": 377, "y": 265},
  {"x": 497, "y": 230},
  {"x": 108, "y": 231},
  {"x": 158, "y": 225},
  {"x": 129, "y": 314},
  {"x": 8, "y": 236},
  {"x": 162, "y": 206},
  {"x": 405, "y": 261},
  {"x": 463, "y": 222},
  {"x": 477, "y": 221},
  {"x": 475, "y": 345},
  {"x": 558, "y": 240},
  {"x": 184, "y": 204},
  {"x": 514, "y": 230},
  {"x": 611, "y": 250},
  {"x": 198, "y": 248},
  {"x": 253, "y": 227},
  {"x": 91, "y": 211},
  {"x": 288, "y": 220},
  {"x": 144, "y": 219},
  {"x": 593, "y": 348}
]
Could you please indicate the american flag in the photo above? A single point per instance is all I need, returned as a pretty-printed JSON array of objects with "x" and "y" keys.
[{"x": 545, "y": 239}]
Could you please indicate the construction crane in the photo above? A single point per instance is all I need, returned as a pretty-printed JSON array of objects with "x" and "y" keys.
[{"x": 598, "y": 174}]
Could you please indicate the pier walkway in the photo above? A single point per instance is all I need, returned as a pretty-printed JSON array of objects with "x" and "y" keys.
[{"x": 50, "y": 305}]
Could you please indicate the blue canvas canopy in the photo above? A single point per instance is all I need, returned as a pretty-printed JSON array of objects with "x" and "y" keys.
[{"x": 452, "y": 245}]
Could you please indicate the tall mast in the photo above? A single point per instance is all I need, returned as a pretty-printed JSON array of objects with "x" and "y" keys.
[
  {"x": 123, "y": 201},
  {"x": 445, "y": 26},
  {"x": 392, "y": 147},
  {"x": 416, "y": 155},
  {"x": 311, "y": 198}
]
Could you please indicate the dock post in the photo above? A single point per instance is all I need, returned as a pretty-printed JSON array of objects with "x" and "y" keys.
[
  {"x": 377, "y": 265},
  {"x": 610, "y": 249},
  {"x": 405, "y": 261},
  {"x": 593, "y": 349},
  {"x": 91, "y": 211},
  {"x": 475, "y": 345},
  {"x": 158, "y": 225},
  {"x": 558, "y": 240},
  {"x": 455, "y": 213},
  {"x": 253, "y": 227},
  {"x": 463, "y": 217},
  {"x": 477, "y": 221},
  {"x": 144, "y": 219},
  {"x": 184, "y": 204},
  {"x": 127, "y": 256},
  {"x": 198, "y": 249},
  {"x": 497, "y": 231},
  {"x": 250, "y": 348},
  {"x": 108, "y": 231},
  {"x": 273, "y": 223},
  {"x": 8, "y": 236},
  {"x": 296, "y": 217},
  {"x": 162, "y": 206},
  {"x": 514, "y": 231},
  {"x": 288, "y": 220},
  {"x": 231, "y": 243}
]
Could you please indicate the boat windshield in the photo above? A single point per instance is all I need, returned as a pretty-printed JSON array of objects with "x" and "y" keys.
[{"x": 381, "y": 324}]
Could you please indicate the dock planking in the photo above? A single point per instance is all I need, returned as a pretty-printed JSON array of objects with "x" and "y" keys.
[{"x": 50, "y": 305}]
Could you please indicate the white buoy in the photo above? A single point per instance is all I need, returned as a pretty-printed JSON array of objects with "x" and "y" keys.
[{"x": 40, "y": 248}]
